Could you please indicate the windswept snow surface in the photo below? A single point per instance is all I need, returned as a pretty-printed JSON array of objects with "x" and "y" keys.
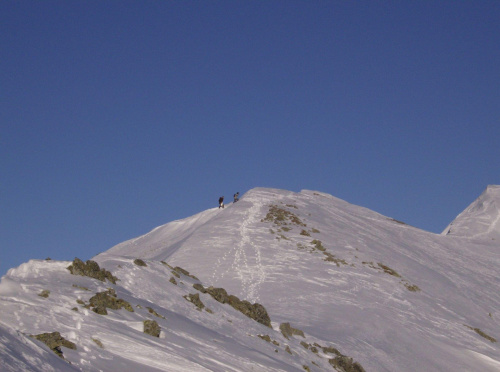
[
  {"x": 481, "y": 219},
  {"x": 21, "y": 353},
  {"x": 393, "y": 297}
]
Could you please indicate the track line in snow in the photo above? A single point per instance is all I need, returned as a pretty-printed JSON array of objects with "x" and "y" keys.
[
  {"x": 251, "y": 277},
  {"x": 217, "y": 274},
  {"x": 244, "y": 259}
]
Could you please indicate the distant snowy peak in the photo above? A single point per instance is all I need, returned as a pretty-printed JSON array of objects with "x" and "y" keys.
[{"x": 481, "y": 219}]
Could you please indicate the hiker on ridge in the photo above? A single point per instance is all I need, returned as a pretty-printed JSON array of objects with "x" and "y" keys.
[
  {"x": 236, "y": 196},
  {"x": 221, "y": 202}
]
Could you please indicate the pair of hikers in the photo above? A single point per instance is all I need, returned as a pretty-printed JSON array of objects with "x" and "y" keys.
[{"x": 221, "y": 199}]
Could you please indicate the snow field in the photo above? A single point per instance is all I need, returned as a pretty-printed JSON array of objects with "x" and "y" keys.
[{"x": 391, "y": 296}]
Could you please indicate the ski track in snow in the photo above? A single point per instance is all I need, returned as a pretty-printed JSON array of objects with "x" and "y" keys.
[
  {"x": 257, "y": 275},
  {"x": 218, "y": 244},
  {"x": 251, "y": 278},
  {"x": 251, "y": 275}
]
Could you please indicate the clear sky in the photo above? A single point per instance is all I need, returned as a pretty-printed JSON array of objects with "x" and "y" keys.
[{"x": 119, "y": 116}]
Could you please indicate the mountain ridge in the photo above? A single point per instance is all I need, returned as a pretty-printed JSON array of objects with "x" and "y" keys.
[
  {"x": 481, "y": 219},
  {"x": 389, "y": 295},
  {"x": 368, "y": 229}
]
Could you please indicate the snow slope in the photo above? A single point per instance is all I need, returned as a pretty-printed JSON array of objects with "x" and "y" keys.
[
  {"x": 391, "y": 296},
  {"x": 481, "y": 219}
]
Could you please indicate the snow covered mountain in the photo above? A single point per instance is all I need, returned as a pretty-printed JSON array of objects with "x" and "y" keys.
[
  {"x": 481, "y": 219},
  {"x": 279, "y": 281}
]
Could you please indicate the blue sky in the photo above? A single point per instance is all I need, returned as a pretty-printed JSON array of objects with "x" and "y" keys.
[{"x": 119, "y": 116}]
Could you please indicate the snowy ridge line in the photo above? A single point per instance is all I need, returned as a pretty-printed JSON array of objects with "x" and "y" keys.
[
  {"x": 250, "y": 276},
  {"x": 178, "y": 244},
  {"x": 362, "y": 307},
  {"x": 167, "y": 237},
  {"x": 480, "y": 220},
  {"x": 135, "y": 240}
]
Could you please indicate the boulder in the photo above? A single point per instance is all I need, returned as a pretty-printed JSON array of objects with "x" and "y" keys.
[
  {"x": 90, "y": 269},
  {"x": 54, "y": 341},
  {"x": 152, "y": 328}
]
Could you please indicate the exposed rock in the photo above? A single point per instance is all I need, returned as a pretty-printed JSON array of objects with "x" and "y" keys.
[
  {"x": 98, "y": 343},
  {"x": 481, "y": 333},
  {"x": 184, "y": 272},
  {"x": 166, "y": 264},
  {"x": 318, "y": 245},
  {"x": 397, "y": 221},
  {"x": 45, "y": 293},
  {"x": 255, "y": 311},
  {"x": 140, "y": 262},
  {"x": 54, "y": 341},
  {"x": 152, "y": 311},
  {"x": 388, "y": 270},
  {"x": 330, "y": 349},
  {"x": 331, "y": 258},
  {"x": 219, "y": 294},
  {"x": 152, "y": 328},
  {"x": 346, "y": 364},
  {"x": 80, "y": 287},
  {"x": 174, "y": 273},
  {"x": 411, "y": 287},
  {"x": 307, "y": 346},
  {"x": 259, "y": 313},
  {"x": 266, "y": 338},
  {"x": 108, "y": 299},
  {"x": 172, "y": 280},
  {"x": 280, "y": 216},
  {"x": 288, "y": 331},
  {"x": 199, "y": 287},
  {"x": 90, "y": 269},
  {"x": 195, "y": 299},
  {"x": 341, "y": 362}
]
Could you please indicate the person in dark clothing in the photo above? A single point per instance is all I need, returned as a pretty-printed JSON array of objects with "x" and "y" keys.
[
  {"x": 221, "y": 202},
  {"x": 236, "y": 196}
]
